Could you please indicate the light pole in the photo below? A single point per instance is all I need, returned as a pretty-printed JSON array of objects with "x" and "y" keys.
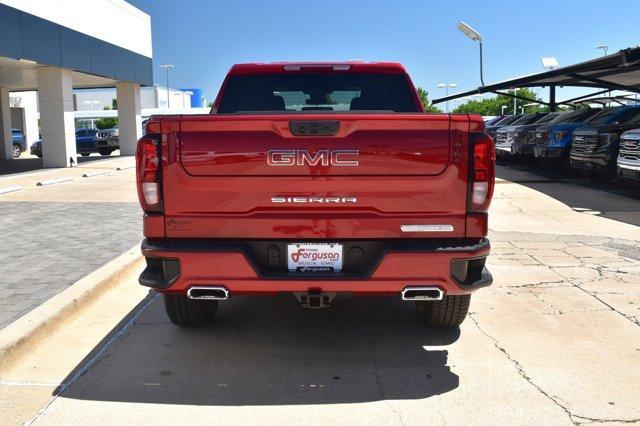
[
  {"x": 475, "y": 36},
  {"x": 167, "y": 67},
  {"x": 446, "y": 86},
  {"x": 503, "y": 108},
  {"x": 604, "y": 47}
]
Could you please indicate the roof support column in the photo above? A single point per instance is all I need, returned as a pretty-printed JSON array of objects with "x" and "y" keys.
[
  {"x": 553, "y": 106},
  {"x": 55, "y": 101},
  {"x": 6, "y": 151},
  {"x": 129, "y": 117}
]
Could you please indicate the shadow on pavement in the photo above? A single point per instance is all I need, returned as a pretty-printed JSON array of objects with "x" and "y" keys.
[
  {"x": 617, "y": 200},
  {"x": 31, "y": 164},
  {"x": 268, "y": 351}
]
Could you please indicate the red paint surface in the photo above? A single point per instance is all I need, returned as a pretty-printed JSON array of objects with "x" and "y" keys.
[{"x": 414, "y": 169}]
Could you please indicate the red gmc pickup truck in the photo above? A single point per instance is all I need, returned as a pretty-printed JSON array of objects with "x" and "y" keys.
[{"x": 317, "y": 179}]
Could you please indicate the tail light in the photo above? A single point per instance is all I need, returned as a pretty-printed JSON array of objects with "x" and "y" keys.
[
  {"x": 148, "y": 173},
  {"x": 482, "y": 172}
]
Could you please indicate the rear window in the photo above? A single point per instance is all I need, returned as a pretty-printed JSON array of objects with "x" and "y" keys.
[
  {"x": 510, "y": 119},
  {"x": 548, "y": 118},
  {"x": 326, "y": 92},
  {"x": 604, "y": 116},
  {"x": 575, "y": 116},
  {"x": 526, "y": 119}
]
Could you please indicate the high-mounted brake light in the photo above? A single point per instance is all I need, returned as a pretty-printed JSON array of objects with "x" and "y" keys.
[
  {"x": 482, "y": 172},
  {"x": 148, "y": 173},
  {"x": 298, "y": 67}
]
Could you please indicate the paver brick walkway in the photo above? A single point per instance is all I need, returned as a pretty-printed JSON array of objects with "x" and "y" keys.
[{"x": 47, "y": 246}]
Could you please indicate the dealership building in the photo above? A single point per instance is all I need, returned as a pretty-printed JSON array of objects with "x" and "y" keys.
[{"x": 54, "y": 47}]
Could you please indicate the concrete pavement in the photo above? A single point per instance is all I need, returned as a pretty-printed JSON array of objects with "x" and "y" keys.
[{"x": 555, "y": 340}]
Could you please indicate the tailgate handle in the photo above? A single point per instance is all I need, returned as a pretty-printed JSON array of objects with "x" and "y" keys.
[{"x": 314, "y": 128}]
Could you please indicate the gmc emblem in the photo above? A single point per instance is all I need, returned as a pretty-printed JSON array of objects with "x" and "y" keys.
[{"x": 323, "y": 157}]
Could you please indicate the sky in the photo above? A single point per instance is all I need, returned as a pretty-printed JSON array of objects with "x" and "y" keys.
[{"x": 203, "y": 38}]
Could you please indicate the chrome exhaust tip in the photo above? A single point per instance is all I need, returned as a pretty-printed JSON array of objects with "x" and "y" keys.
[
  {"x": 207, "y": 293},
  {"x": 422, "y": 293}
]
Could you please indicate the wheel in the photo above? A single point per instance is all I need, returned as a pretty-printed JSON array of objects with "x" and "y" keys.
[
  {"x": 39, "y": 155},
  {"x": 85, "y": 154},
  {"x": 600, "y": 177},
  {"x": 16, "y": 151},
  {"x": 448, "y": 312},
  {"x": 105, "y": 151},
  {"x": 185, "y": 312},
  {"x": 561, "y": 166}
]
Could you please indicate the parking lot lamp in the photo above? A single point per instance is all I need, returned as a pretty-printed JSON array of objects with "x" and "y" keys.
[
  {"x": 475, "y": 36},
  {"x": 446, "y": 86},
  {"x": 604, "y": 47},
  {"x": 167, "y": 68}
]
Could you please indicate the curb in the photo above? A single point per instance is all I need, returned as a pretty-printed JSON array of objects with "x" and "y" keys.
[{"x": 27, "y": 331}]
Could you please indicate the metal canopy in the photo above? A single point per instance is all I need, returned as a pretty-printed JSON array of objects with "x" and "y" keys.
[
  {"x": 618, "y": 71},
  {"x": 604, "y": 100}
]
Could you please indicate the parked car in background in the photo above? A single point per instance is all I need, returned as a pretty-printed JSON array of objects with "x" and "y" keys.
[
  {"x": 491, "y": 130},
  {"x": 85, "y": 143},
  {"x": 504, "y": 135},
  {"x": 522, "y": 136},
  {"x": 552, "y": 141},
  {"x": 494, "y": 120},
  {"x": 108, "y": 140},
  {"x": 628, "y": 162},
  {"x": 19, "y": 142},
  {"x": 594, "y": 149}
]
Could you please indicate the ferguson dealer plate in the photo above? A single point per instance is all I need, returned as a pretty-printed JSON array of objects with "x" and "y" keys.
[{"x": 314, "y": 257}]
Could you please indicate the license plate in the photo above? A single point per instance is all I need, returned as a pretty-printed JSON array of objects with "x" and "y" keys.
[{"x": 314, "y": 257}]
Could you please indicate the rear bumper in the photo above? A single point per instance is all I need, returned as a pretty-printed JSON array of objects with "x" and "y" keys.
[
  {"x": 107, "y": 143},
  {"x": 457, "y": 266}
]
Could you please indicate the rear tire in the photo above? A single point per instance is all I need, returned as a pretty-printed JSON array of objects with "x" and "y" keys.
[
  {"x": 85, "y": 154},
  {"x": 105, "y": 151},
  {"x": 448, "y": 312},
  {"x": 185, "y": 312},
  {"x": 16, "y": 151}
]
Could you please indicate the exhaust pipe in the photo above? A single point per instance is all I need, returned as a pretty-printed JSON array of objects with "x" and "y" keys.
[
  {"x": 422, "y": 293},
  {"x": 207, "y": 293}
]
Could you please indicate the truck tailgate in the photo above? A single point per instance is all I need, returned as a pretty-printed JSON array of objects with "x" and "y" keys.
[{"x": 257, "y": 176}]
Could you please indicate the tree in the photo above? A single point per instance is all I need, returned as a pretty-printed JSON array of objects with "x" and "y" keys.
[
  {"x": 424, "y": 100},
  {"x": 106, "y": 123},
  {"x": 493, "y": 106}
]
